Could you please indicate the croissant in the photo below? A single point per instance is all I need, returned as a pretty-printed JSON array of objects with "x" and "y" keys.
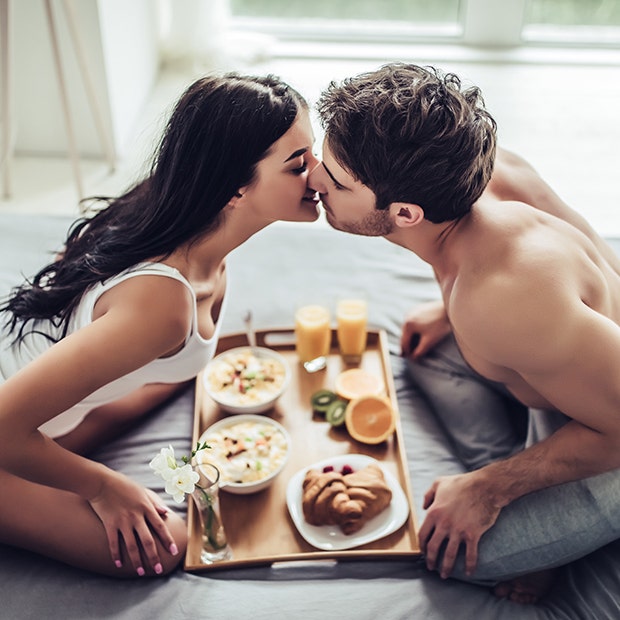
[{"x": 349, "y": 501}]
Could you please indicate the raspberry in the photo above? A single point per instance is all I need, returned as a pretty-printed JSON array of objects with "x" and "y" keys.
[
  {"x": 346, "y": 469},
  {"x": 328, "y": 468}
]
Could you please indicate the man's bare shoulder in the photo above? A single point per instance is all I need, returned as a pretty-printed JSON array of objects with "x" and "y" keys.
[{"x": 519, "y": 290}]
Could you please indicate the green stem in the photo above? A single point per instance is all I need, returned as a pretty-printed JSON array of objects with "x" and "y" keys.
[{"x": 211, "y": 517}]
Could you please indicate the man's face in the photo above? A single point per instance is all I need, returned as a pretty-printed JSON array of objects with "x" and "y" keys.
[{"x": 349, "y": 205}]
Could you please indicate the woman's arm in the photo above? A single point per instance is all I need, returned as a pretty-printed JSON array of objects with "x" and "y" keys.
[
  {"x": 107, "y": 422},
  {"x": 150, "y": 320}
]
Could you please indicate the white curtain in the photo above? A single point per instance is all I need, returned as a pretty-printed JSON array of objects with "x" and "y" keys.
[{"x": 195, "y": 31}]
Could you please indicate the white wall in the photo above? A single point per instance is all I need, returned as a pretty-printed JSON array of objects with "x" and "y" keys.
[{"x": 120, "y": 41}]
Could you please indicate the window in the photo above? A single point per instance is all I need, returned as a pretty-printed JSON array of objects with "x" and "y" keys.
[
  {"x": 587, "y": 22},
  {"x": 349, "y": 19},
  {"x": 498, "y": 23},
  {"x": 386, "y": 10},
  {"x": 573, "y": 12}
]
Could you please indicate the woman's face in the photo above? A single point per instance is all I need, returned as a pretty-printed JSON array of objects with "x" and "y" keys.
[{"x": 280, "y": 187}]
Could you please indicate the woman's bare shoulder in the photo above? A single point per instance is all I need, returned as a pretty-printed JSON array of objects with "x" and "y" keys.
[{"x": 159, "y": 304}]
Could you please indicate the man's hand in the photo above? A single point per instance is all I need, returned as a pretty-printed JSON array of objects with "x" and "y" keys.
[
  {"x": 425, "y": 326},
  {"x": 458, "y": 513}
]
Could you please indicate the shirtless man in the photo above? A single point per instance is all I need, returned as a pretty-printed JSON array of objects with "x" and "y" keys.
[{"x": 530, "y": 294}]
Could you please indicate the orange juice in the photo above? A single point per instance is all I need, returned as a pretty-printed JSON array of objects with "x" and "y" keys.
[
  {"x": 352, "y": 319},
  {"x": 312, "y": 332}
]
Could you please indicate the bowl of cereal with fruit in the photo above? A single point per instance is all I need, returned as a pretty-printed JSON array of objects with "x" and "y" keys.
[
  {"x": 246, "y": 379},
  {"x": 249, "y": 450}
]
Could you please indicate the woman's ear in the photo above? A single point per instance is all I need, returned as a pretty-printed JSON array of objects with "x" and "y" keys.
[
  {"x": 406, "y": 214},
  {"x": 237, "y": 197}
]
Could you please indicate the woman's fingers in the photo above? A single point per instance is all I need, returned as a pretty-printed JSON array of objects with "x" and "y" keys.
[
  {"x": 113, "y": 543},
  {"x": 145, "y": 536},
  {"x": 129, "y": 535}
]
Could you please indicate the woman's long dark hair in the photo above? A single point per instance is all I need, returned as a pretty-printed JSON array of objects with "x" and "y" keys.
[{"x": 219, "y": 130}]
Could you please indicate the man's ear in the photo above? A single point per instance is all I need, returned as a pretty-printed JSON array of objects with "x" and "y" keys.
[{"x": 406, "y": 214}]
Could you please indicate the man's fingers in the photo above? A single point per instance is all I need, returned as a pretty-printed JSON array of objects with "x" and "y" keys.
[
  {"x": 449, "y": 557},
  {"x": 471, "y": 557},
  {"x": 424, "y": 534},
  {"x": 429, "y": 496},
  {"x": 414, "y": 342},
  {"x": 433, "y": 546},
  {"x": 406, "y": 339}
]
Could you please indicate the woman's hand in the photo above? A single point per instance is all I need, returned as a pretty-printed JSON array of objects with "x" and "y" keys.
[
  {"x": 424, "y": 327},
  {"x": 132, "y": 513}
]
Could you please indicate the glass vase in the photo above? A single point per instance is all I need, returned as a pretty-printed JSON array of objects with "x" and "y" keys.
[{"x": 215, "y": 546}]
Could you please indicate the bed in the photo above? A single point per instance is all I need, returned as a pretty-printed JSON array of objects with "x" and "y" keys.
[{"x": 265, "y": 275}]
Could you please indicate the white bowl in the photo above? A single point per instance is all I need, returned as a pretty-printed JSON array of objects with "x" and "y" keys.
[
  {"x": 222, "y": 383},
  {"x": 265, "y": 461}
]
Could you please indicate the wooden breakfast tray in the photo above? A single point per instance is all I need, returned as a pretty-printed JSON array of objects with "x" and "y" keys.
[{"x": 259, "y": 527}]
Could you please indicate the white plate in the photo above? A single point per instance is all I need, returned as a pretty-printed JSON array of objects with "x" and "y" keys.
[{"x": 331, "y": 537}]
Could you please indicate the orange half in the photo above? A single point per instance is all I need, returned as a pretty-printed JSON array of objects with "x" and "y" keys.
[
  {"x": 355, "y": 382},
  {"x": 370, "y": 419}
]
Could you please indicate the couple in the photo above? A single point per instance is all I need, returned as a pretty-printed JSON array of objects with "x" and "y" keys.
[{"x": 531, "y": 302}]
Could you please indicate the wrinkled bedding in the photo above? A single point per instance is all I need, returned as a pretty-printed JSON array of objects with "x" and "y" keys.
[{"x": 267, "y": 274}]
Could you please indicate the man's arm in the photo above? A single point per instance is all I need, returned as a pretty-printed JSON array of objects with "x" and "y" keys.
[
  {"x": 424, "y": 327},
  {"x": 570, "y": 355}
]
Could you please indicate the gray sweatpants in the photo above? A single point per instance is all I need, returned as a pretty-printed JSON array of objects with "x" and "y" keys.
[{"x": 544, "y": 529}]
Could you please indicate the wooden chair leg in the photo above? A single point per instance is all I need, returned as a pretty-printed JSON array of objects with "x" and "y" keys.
[
  {"x": 107, "y": 143},
  {"x": 6, "y": 159},
  {"x": 73, "y": 152}
]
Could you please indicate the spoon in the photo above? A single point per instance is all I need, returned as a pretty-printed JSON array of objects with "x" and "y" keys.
[
  {"x": 318, "y": 363},
  {"x": 249, "y": 330}
]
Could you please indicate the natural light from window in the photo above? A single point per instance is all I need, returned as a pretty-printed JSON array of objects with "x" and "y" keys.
[{"x": 473, "y": 22}]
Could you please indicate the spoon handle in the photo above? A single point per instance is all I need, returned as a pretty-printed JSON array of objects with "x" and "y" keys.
[{"x": 247, "y": 319}]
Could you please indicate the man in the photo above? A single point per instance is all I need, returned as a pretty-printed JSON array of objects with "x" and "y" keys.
[{"x": 530, "y": 294}]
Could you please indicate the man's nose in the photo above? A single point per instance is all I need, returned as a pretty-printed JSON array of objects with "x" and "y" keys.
[{"x": 316, "y": 179}]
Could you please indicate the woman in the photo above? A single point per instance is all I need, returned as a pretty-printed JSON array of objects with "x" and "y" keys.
[{"x": 129, "y": 313}]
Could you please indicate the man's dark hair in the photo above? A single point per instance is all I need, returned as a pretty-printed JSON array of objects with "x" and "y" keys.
[{"x": 412, "y": 134}]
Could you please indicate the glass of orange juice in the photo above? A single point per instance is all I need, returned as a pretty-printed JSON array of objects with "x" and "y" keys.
[
  {"x": 352, "y": 321},
  {"x": 312, "y": 332}
]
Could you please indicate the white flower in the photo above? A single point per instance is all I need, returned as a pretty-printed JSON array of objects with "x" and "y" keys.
[
  {"x": 180, "y": 479},
  {"x": 164, "y": 463},
  {"x": 183, "y": 480}
]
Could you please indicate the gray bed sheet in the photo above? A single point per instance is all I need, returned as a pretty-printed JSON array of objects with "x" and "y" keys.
[{"x": 272, "y": 271}]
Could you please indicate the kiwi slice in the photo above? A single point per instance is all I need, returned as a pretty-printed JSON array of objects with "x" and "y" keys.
[
  {"x": 335, "y": 413},
  {"x": 322, "y": 399}
]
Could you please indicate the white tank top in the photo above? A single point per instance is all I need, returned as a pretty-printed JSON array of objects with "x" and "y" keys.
[{"x": 183, "y": 365}]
